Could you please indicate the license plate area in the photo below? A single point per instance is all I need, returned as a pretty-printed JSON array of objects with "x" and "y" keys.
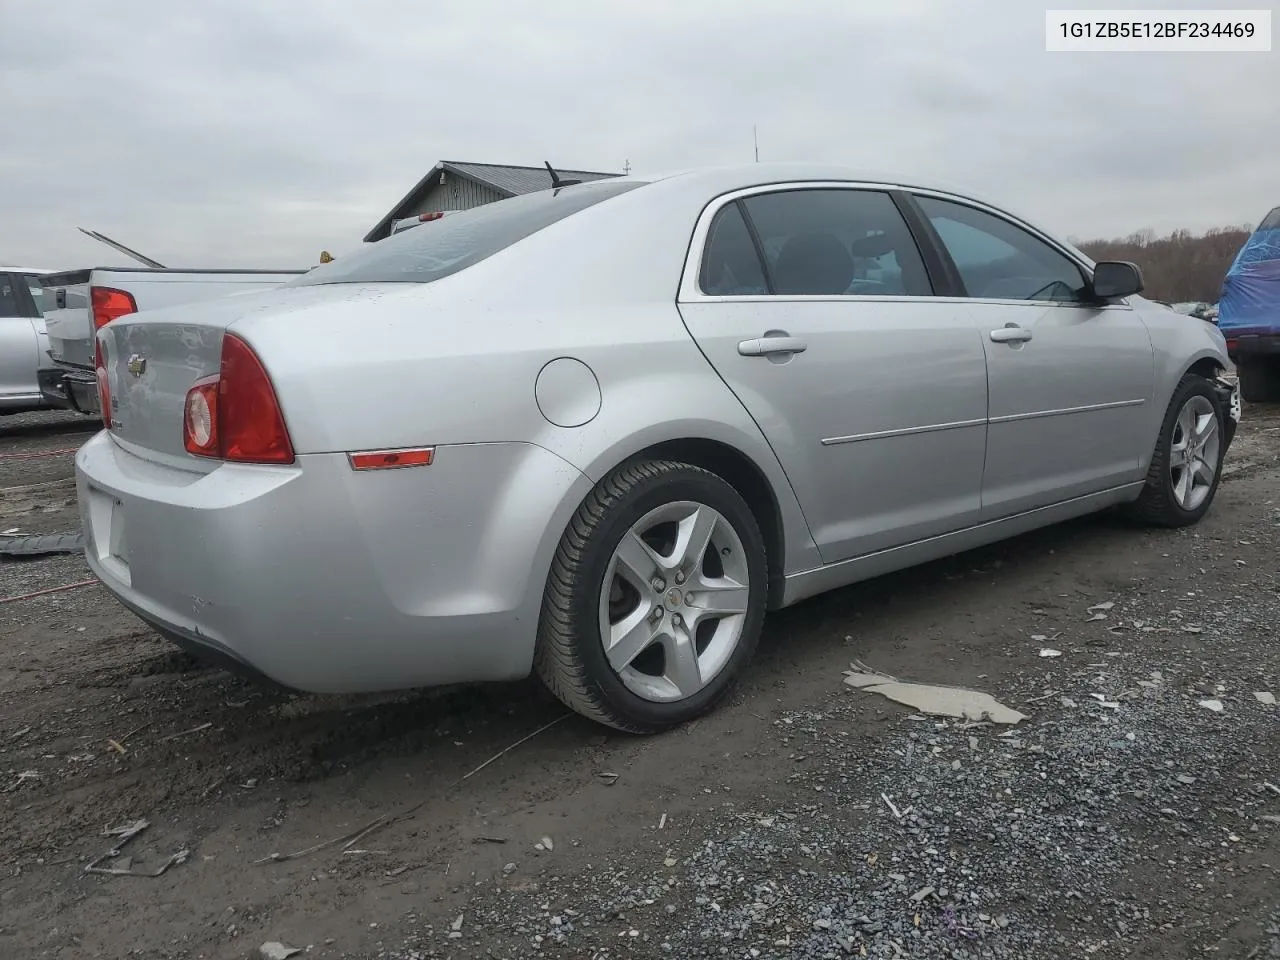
[{"x": 108, "y": 532}]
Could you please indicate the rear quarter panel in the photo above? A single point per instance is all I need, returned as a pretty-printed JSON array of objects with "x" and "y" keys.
[{"x": 457, "y": 360}]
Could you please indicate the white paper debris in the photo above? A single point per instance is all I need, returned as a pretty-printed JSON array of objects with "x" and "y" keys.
[
  {"x": 1263, "y": 697},
  {"x": 940, "y": 701},
  {"x": 1105, "y": 605},
  {"x": 273, "y": 950},
  {"x": 547, "y": 844},
  {"x": 1214, "y": 705},
  {"x": 1096, "y": 617},
  {"x": 1049, "y": 652}
]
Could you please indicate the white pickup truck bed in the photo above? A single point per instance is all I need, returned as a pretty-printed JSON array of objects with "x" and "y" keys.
[{"x": 74, "y": 319}]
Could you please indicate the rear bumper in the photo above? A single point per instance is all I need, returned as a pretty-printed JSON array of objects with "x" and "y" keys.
[
  {"x": 69, "y": 389},
  {"x": 327, "y": 580},
  {"x": 1244, "y": 343}
]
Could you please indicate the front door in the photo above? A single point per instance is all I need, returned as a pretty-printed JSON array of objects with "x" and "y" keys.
[
  {"x": 1070, "y": 380},
  {"x": 814, "y": 306}
]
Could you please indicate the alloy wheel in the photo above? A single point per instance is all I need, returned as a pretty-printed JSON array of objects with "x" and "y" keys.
[
  {"x": 1193, "y": 455},
  {"x": 674, "y": 601}
]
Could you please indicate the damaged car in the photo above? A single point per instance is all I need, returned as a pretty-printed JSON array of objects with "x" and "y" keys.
[{"x": 596, "y": 432}]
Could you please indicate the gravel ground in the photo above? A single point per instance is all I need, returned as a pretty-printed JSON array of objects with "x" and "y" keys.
[
  {"x": 804, "y": 819},
  {"x": 1078, "y": 833}
]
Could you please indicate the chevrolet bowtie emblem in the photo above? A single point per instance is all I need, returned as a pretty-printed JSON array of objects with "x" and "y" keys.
[{"x": 137, "y": 365}]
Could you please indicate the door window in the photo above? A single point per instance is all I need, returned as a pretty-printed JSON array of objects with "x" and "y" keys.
[
  {"x": 824, "y": 242},
  {"x": 9, "y": 296},
  {"x": 998, "y": 261},
  {"x": 731, "y": 267}
]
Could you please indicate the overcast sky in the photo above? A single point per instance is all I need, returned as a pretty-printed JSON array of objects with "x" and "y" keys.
[{"x": 258, "y": 132}]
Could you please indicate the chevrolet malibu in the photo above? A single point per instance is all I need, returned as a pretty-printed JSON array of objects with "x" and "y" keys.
[{"x": 597, "y": 432}]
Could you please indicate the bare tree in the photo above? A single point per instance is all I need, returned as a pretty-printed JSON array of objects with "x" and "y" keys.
[{"x": 1180, "y": 266}]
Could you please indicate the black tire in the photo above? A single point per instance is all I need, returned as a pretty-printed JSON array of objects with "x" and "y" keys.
[
  {"x": 1260, "y": 379},
  {"x": 1157, "y": 505},
  {"x": 570, "y": 657}
]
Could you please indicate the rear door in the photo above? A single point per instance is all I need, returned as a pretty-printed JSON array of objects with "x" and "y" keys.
[
  {"x": 1070, "y": 380},
  {"x": 814, "y": 304},
  {"x": 19, "y": 339}
]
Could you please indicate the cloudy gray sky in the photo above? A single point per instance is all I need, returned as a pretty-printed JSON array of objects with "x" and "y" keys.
[{"x": 255, "y": 133}]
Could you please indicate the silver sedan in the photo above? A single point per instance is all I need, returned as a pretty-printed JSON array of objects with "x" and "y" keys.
[{"x": 596, "y": 432}]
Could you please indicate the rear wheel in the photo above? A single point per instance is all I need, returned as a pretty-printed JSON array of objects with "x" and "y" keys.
[
  {"x": 1260, "y": 379},
  {"x": 655, "y": 599},
  {"x": 1187, "y": 463}
]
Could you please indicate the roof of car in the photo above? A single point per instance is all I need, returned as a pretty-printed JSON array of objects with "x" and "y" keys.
[
  {"x": 714, "y": 181},
  {"x": 750, "y": 174}
]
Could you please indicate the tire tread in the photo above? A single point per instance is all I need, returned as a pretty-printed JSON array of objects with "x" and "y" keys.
[
  {"x": 1155, "y": 505},
  {"x": 556, "y": 658}
]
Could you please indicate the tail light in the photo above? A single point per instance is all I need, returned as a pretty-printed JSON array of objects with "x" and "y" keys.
[
  {"x": 104, "y": 387},
  {"x": 235, "y": 415},
  {"x": 108, "y": 303},
  {"x": 432, "y": 215}
]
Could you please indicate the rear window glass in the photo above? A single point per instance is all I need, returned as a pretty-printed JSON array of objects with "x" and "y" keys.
[
  {"x": 1271, "y": 221},
  {"x": 442, "y": 247}
]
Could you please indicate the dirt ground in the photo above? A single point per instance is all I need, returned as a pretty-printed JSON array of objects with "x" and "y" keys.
[{"x": 804, "y": 818}]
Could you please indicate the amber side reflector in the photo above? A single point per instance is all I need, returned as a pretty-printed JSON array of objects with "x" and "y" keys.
[{"x": 391, "y": 459}]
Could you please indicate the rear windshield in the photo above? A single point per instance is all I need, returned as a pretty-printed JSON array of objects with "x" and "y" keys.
[
  {"x": 1271, "y": 221},
  {"x": 439, "y": 248}
]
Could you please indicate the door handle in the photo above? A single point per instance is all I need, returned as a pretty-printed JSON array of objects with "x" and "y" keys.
[
  {"x": 1011, "y": 333},
  {"x": 769, "y": 346}
]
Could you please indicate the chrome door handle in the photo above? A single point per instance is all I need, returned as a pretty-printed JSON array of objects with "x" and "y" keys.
[
  {"x": 768, "y": 346},
  {"x": 1011, "y": 333}
]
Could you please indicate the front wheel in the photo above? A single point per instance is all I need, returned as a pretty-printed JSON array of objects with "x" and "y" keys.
[
  {"x": 655, "y": 600},
  {"x": 1187, "y": 463}
]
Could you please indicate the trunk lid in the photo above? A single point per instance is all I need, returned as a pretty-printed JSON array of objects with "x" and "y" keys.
[{"x": 153, "y": 358}]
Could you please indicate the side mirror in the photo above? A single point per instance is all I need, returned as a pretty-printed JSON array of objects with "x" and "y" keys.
[{"x": 1116, "y": 278}]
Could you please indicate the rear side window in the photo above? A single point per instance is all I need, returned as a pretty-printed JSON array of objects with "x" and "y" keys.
[
  {"x": 44, "y": 297},
  {"x": 442, "y": 247},
  {"x": 731, "y": 267},
  {"x": 823, "y": 242}
]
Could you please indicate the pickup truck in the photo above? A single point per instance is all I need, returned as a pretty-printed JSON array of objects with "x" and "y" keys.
[
  {"x": 23, "y": 344},
  {"x": 83, "y": 301}
]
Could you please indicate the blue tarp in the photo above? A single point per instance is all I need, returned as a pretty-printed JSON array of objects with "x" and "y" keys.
[{"x": 1251, "y": 291}]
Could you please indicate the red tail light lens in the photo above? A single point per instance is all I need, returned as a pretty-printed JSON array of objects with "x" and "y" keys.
[
  {"x": 433, "y": 215},
  {"x": 108, "y": 304},
  {"x": 104, "y": 386},
  {"x": 235, "y": 415}
]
